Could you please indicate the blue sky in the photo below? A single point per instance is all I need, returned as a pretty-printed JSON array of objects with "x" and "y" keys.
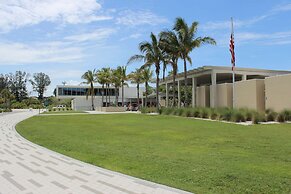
[{"x": 65, "y": 38}]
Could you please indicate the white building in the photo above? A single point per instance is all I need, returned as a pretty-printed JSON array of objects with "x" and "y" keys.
[{"x": 80, "y": 102}]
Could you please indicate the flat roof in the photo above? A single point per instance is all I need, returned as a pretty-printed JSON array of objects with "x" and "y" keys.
[{"x": 227, "y": 69}]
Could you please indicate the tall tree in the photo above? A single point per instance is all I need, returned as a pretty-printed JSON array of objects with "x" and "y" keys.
[
  {"x": 171, "y": 47},
  {"x": 101, "y": 79},
  {"x": 90, "y": 78},
  {"x": 123, "y": 77},
  {"x": 136, "y": 78},
  {"x": 17, "y": 84},
  {"x": 3, "y": 82},
  {"x": 6, "y": 97},
  {"x": 39, "y": 83},
  {"x": 147, "y": 76},
  {"x": 152, "y": 55},
  {"x": 187, "y": 42},
  {"x": 107, "y": 77},
  {"x": 116, "y": 81}
]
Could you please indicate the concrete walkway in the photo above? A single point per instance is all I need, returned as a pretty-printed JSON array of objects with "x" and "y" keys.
[{"x": 28, "y": 168}]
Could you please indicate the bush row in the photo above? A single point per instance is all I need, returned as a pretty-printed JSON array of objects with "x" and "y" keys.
[
  {"x": 59, "y": 109},
  {"x": 5, "y": 110},
  {"x": 226, "y": 114}
]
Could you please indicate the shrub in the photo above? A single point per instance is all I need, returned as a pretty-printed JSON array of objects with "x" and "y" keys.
[
  {"x": 238, "y": 117},
  {"x": 18, "y": 105},
  {"x": 271, "y": 115},
  {"x": 188, "y": 113},
  {"x": 180, "y": 111},
  {"x": 287, "y": 115},
  {"x": 196, "y": 112},
  {"x": 146, "y": 110},
  {"x": 204, "y": 113},
  {"x": 226, "y": 115},
  {"x": 258, "y": 117},
  {"x": 281, "y": 117},
  {"x": 214, "y": 114}
]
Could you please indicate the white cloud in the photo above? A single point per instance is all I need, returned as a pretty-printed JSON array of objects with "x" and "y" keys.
[
  {"x": 241, "y": 38},
  {"x": 227, "y": 25},
  {"x": 57, "y": 52},
  {"x": 132, "y": 36},
  {"x": 282, "y": 7},
  {"x": 135, "y": 18},
  {"x": 19, "y": 13},
  {"x": 97, "y": 35}
]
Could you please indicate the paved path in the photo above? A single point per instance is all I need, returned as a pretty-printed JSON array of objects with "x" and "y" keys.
[{"x": 28, "y": 168}]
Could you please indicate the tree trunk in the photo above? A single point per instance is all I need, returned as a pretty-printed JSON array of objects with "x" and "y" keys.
[
  {"x": 157, "y": 87},
  {"x": 92, "y": 96},
  {"x": 102, "y": 95},
  {"x": 185, "y": 82},
  {"x": 137, "y": 87},
  {"x": 174, "y": 89},
  {"x": 116, "y": 96},
  {"x": 146, "y": 94},
  {"x": 109, "y": 95},
  {"x": 106, "y": 93},
  {"x": 122, "y": 93}
]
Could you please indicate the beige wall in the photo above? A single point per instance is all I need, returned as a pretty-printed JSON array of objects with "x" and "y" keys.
[
  {"x": 203, "y": 96},
  {"x": 278, "y": 92},
  {"x": 224, "y": 95},
  {"x": 250, "y": 94}
]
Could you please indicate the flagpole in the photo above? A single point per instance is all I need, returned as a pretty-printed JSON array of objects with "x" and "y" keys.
[{"x": 233, "y": 72}]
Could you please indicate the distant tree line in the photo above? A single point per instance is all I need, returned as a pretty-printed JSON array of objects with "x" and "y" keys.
[{"x": 13, "y": 88}]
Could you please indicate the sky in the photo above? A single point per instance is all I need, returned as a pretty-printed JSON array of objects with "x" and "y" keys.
[{"x": 65, "y": 38}]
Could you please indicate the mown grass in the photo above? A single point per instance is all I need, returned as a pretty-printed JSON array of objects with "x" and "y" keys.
[
  {"x": 63, "y": 112},
  {"x": 194, "y": 155}
]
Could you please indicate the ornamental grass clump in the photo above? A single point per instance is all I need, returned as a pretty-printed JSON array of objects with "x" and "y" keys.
[
  {"x": 204, "y": 113},
  {"x": 281, "y": 118},
  {"x": 258, "y": 117},
  {"x": 271, "y": 116},
  {"x": 238, "y": 116},
  {"x": 196, "y": 112},
  {"x": 188, "y": 112},
  {"x": 226, "y": 114},
  {"x": 214, "y": 114}
]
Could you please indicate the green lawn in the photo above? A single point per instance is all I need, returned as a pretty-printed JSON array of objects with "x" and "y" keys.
[
  {"x": 194, "y": 155},
  {"x": 63, "y": 112}
]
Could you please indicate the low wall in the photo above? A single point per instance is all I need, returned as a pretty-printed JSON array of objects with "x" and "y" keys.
[
  {"x": 203, "y": 96},
  {"x": 250, "y": 94},
  {"x": 224, "y": 95},
  {"x": 111, "y": 109},
  {"x": 278, "y": 92}
]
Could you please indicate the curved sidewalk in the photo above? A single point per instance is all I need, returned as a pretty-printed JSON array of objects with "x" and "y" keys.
[{"x": 28, "y": 168}]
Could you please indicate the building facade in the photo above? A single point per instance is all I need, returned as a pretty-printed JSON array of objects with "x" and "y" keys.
[
  {"x": 212, "y": 87},
  {"x": 80, "y": 101}
]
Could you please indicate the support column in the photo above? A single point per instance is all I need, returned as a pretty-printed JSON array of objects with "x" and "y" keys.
[
  {"x": 194, "y": 85},
  {"x": 179, "y": 93},
  {"x": 167, "y": 95},
  {"x": 213, "y": 94},
  {"x": 244, "y": 77}
]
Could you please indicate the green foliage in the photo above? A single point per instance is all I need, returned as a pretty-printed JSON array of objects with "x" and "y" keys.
[
  {"x": 148, "y": 110},
  {"x": 227, "y": 114},
  {"x": 39, "y": 83}
]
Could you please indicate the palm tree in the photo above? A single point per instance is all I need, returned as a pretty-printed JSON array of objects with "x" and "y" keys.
[
  {"x": 187, "y": 42},
  {"x": 123, "y": 77},
  {"x": 90, "y": 78},
  {"x": 152, "y": 55},
  {"x": 101, "y": 79},
  {"x": 116, "y": 81},
  {"x": 147, "y": 75},
  {"x": 136, "y": 78},
  {"x": 170, "y": 45}
]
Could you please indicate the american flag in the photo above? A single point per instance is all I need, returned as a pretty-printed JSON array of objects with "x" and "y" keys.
[{"x": 231, "y": 49}]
